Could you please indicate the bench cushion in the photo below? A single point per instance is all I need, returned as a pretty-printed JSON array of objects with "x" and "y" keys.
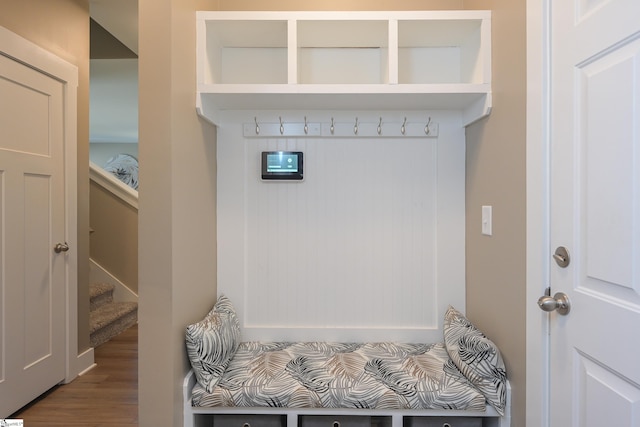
[
  {"x": 212, "y": 342},
  {"x": 477, "y": 357},
  {"x": 342, "y": 375}
]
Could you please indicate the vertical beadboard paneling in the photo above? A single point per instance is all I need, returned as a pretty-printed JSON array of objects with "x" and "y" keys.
[{"x": 350, "y": 252}]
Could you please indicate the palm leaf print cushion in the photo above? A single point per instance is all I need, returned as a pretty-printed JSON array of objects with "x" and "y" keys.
[
  {"x": 477, "y": 357},
  {"x": 212, "y": 342},
  {"x": 342, "y": 375}
]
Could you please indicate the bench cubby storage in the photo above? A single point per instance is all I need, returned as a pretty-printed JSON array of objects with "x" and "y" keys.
[
  {"x": 443, "y": 422},
  {"x": 343, "y": 421},
  {"x": 249, "y": 420}
]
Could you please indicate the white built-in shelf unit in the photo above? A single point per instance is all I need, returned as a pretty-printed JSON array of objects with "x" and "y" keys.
[{"x": 392, "y": 60}]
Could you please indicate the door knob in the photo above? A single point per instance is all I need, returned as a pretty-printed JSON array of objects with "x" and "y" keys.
[
  {"x": 61, "y": 247},
  {"x": 560, "y": 302}
]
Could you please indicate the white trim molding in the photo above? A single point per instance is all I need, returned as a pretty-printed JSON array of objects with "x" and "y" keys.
[
  {"x": 85, "y": 362},
  {"x": 112, "y": 184},
  {"x": 121, "y": 293},
  {"x": 537, "y": 270}
]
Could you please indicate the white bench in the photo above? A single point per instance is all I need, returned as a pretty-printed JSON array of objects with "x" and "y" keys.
[{"x": 333, "y": 417}]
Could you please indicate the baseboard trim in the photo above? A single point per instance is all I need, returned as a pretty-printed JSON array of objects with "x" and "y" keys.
[
  {"x": 88, "y": 369},
  {"x": 121, "y": 293},
  {"x": 83, "y": 363}
]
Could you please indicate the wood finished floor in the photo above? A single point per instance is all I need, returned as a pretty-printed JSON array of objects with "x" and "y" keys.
[{"x": 105, "y": 396}]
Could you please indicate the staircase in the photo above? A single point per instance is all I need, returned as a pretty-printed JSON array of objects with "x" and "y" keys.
[{"x": 106, "y": 317}]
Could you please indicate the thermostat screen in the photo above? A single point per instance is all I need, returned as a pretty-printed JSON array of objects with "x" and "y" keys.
[
  {"x": 282, "y": 165},
  {"x": 282, "y": 162}
]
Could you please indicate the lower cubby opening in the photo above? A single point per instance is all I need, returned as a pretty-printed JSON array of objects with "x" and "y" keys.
[
  {"x": 343, "y": 421},
  {"x": 248, "y": 420},
  {"x": 442, "y": 422}
]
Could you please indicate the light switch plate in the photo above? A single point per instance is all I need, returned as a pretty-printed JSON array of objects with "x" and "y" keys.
[{"x": 486, "y": 220}]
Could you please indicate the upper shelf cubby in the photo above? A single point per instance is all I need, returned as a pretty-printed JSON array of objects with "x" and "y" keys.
[
  {"x": 245, "y": 52},
  {"x": 344, "y": 60},
  {"x": 441, "y": 52},
  {"x": 343, "y": 52}
]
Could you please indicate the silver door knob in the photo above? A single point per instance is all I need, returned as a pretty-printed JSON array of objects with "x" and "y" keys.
[
  {"x": 560, "y": 302},
  {"x": 61, "y": 247}
]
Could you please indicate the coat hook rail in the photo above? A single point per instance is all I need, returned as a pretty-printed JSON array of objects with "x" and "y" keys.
[{"x": 335, "y": 129}]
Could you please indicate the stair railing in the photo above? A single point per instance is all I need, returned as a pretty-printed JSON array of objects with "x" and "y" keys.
[{"x": 112, "y": 184}]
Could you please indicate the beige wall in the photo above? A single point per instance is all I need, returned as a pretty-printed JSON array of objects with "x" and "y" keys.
[
  {"x": 62, "y": 27},
  {"x": 114, "y": 241},
  {"x": 177, "y": 194},
  {"x": 177, "y": 210},
  {"x": 496, "y": 177}
]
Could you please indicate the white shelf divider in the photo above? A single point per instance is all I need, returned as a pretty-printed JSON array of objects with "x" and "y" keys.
[
  {"x": 393, "y": 51},
  {"x": 293, "y": 53}
]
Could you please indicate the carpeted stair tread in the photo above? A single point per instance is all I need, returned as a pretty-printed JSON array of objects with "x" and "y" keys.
[
  {"x": 97, "y": 289},
  {"x": 110, "y": 320},
  {"x": 108, "y": 313},
  {"x": 100, "y": 294}
]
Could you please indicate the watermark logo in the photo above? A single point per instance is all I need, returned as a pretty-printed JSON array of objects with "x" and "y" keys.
[{"x": 11, "y": 423}]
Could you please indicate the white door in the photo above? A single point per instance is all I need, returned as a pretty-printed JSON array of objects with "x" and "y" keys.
[
  {"x": 595, "y": 212},
  {"x": 32, "y": 222}
]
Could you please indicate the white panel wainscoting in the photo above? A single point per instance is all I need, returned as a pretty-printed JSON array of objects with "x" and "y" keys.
[{"x": 369, "y": 246}]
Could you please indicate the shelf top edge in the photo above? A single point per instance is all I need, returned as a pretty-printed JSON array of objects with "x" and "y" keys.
[
  {"x": 344, "y": 15},
  {"x": 347, "y": 89}
]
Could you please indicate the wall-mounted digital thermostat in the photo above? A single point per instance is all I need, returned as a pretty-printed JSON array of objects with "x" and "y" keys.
[{"x": 282, "y": 165}]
